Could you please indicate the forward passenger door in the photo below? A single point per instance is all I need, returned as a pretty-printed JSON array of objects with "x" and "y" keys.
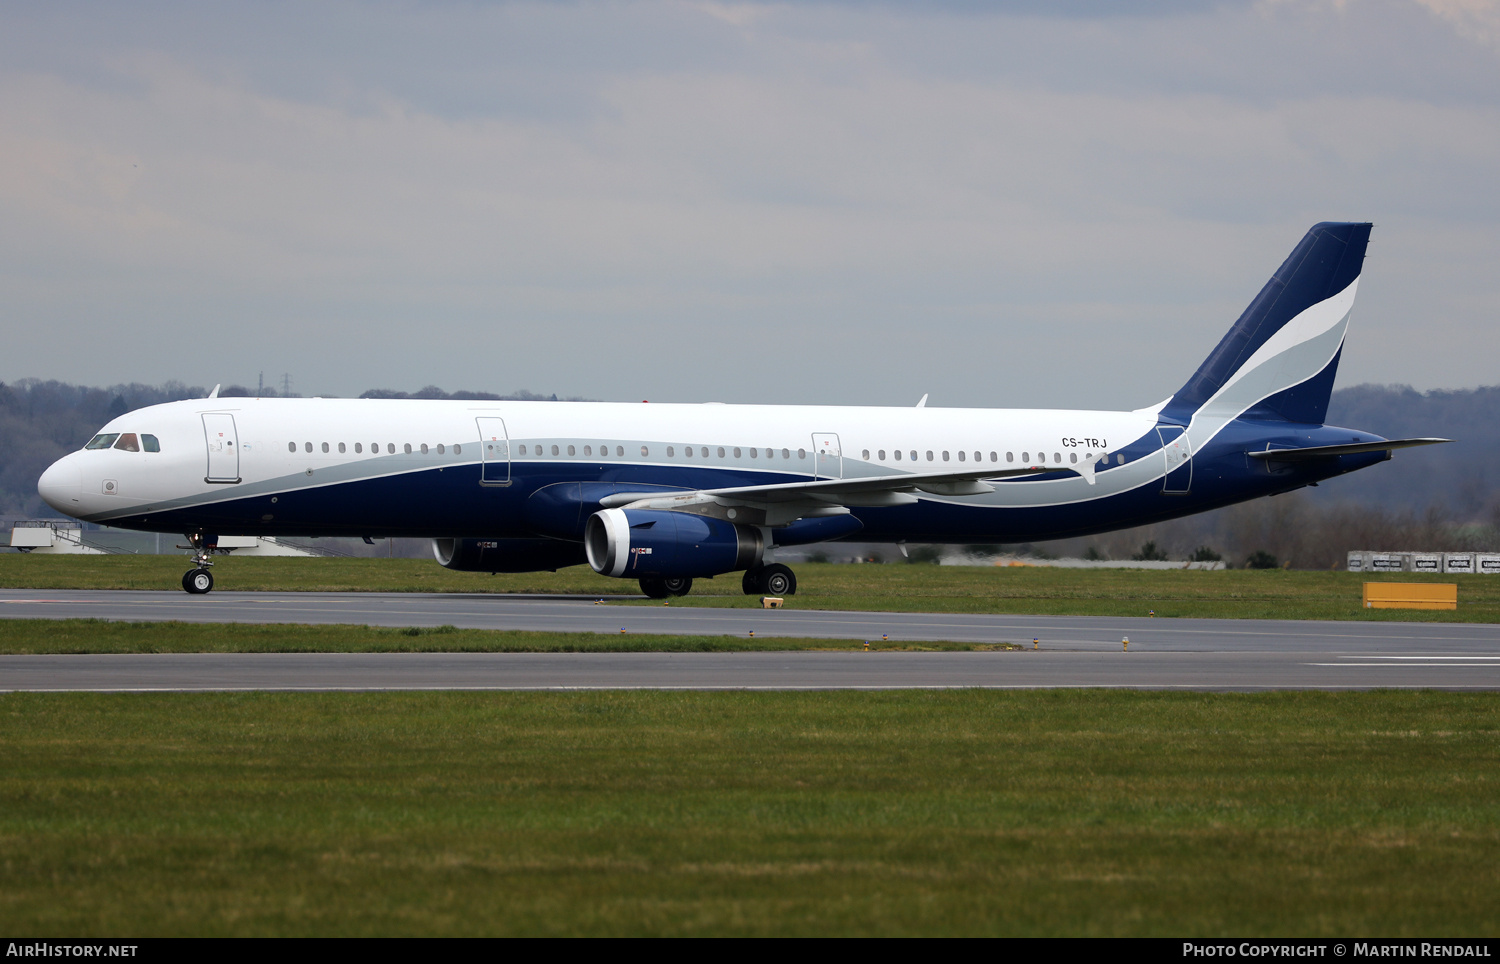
[{"x": 223, "y": 448}]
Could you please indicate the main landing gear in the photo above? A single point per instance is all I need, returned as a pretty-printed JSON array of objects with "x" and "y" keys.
[
  {"x": 199, "y": 580},
  {"x": 772, "y": 580},
  {"x": 660, "y": 587}
]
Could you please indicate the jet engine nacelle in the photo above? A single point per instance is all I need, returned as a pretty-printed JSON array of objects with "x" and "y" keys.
[
  {"x": 632, "y": 543},
  {"x": 506, "y": 555}
]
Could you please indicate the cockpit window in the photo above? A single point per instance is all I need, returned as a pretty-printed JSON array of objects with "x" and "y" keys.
[
  {"x": 128, "y": 443},
  {"x": 102, "y": 441},
  {"x": 150, "y": 444}
]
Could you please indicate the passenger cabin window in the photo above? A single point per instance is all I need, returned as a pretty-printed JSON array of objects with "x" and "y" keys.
[
  {"x": 786, "y": 454},
  {"x": 945, "y": 456},
  {"x": 424, "y": 448},
  {"x": 390, "y": 448},
  {"x": 325, "y": 447},
  {"x": 442, "y": 449},
  {"x": 929, "y": 455},
  {"x": 898, "y": 455},
  {"x": 703, "y": 450},
  {"x": 721, "y": 451},
  {"x": 291, "y": 446},
  {"x": 458, "y": 450},
  {"x": 105, "y": 441},
  {"x": 554, "y": 450},
  {"x": 913, "y": 455},
  {"x": 882, "y": 455},
  {"x": 736, "y": 453},
  {"x": 865, "y": 454},
  {"x": 358, "y": 448},
  {"x": 802, "y": 453},
  {"x": 1010, "y": 456},
  {"x": 341, "y": 448},
  {"x": 128, "y": 443},
  {"x": 671, "y": 451},
  {"x": 645, "y": 451},
  {"x": 754, "y": 453},
  {"x": 307, "y": 446},
  {"x": 150, "y": 444},
  {"x": 408, "y": 448},
  {"x": 1072, "y": 456},
  {"x": 961, "y": 457},
  {"x": 1026, "y": 457},
  {"x": 572, "y": 450},
  {"x": 588, "y": 450}
]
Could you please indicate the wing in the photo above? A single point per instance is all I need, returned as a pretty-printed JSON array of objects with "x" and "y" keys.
[{"x": 782, "y": 503}]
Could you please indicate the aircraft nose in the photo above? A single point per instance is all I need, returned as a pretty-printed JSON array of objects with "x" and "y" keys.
[{"x": 59, "y": 486}]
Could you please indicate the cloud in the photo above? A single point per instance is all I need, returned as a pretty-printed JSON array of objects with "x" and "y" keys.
[{"x": 802, "y": 202}]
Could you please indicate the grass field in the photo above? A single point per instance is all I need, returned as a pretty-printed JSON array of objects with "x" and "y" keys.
[
  {"x": 956, "y": 812},
  {"x": 35, "y": 636},
  {"x": 1230, "y": 594}
]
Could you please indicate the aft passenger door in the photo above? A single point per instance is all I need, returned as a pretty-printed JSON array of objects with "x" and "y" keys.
[
  {"x": 494, "y": 452},
  {"x": 223, "y": 448},
  {"x": 830, "y": 458},
  {"x": 1179, "y": 456}
]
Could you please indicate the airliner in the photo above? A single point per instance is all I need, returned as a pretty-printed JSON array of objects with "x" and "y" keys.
[{"x": 665, "y": 494}]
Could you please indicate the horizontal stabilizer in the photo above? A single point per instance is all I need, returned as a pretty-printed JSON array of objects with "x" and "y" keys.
[{"x": 1352, "y": 448}]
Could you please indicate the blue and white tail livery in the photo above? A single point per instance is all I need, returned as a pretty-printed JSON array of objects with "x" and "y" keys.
[{"x": 666, "y": 493}]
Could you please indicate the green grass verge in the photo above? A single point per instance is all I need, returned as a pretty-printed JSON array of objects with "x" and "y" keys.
[
  {"x": 36, "y": 636},
  {"x": 956, "y": 812},
  {"x": 1033, "y": 590}
]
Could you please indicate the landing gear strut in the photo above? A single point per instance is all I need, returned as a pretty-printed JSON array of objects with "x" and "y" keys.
[
  {"x": 660, "y": 587},
  {"x": 772, "y": 580},
  {"x": 199, "y": 580}
]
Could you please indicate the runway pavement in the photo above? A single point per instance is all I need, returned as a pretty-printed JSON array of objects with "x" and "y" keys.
[{"x": 1075, "y": 651}]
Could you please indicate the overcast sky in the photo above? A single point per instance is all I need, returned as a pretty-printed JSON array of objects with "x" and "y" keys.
[{"x": 1022, "y": 204}]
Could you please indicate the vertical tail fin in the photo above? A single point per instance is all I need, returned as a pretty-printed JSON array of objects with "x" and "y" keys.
[{"x": 1279, "y": 359}]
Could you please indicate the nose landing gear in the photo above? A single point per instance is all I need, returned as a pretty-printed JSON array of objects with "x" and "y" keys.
[{"x": 199, "y": 580}]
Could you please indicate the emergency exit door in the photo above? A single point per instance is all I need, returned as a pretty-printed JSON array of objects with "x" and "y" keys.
[
  {"x": 830, "y": 458},
  {"x": 494, "y": 452}
]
